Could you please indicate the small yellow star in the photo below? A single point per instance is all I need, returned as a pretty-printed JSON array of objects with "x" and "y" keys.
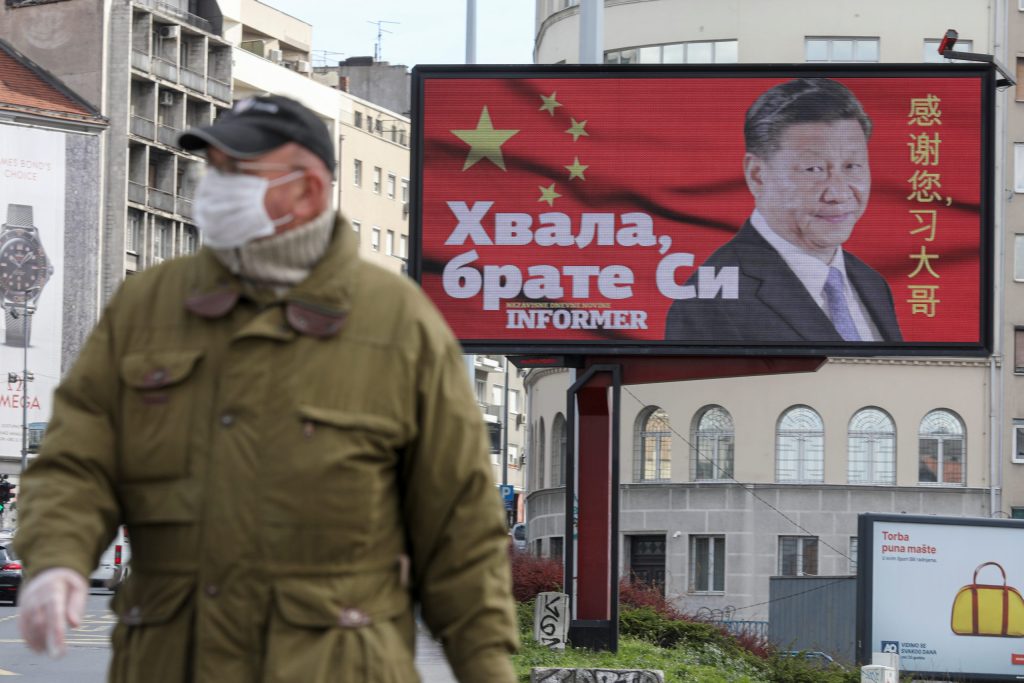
[
  {"x": 577, "y": 129},
  {"x": 549, "y": 103},
  {"x": 484, "y": 141},
  {"x": 548, "y": 194},
  {"x": 577, "y": 169}
]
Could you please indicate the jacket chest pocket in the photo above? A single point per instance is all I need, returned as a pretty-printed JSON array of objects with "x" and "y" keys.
[{"x": 157, "y": 413}]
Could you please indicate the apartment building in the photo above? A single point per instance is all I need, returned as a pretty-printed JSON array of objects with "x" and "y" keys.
[{"x": 728, "y": 482}]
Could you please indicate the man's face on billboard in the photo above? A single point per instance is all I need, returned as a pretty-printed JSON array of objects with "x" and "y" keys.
[{"x": 815, "y": 187}]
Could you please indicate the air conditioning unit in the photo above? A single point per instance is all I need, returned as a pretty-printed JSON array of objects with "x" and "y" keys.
[
  {"x": 275, "y": 56},
  {"x": 520, "y": 419},
  {"x": 157, "y": 259},
  {"x": 405, "y": 209},
  {"x": 303, "y": 67},
  {"x": 170, "y": 31},
  {"x": 166, "y": 98}
]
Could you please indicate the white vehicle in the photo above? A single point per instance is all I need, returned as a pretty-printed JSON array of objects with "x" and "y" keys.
[{"x": 113, "y": 566}]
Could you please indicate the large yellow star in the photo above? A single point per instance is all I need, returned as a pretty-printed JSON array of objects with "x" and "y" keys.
[
  {"x": 577, "y": 129},
  {"x": 548, "y": 194},
  {"x": 577, "y": 169},
  {"x": 550, "y": 103},
  {"x": 485, "y": 142}
]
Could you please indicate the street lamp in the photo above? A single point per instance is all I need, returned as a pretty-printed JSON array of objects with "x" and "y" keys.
[{"x": 26, "y": 377}]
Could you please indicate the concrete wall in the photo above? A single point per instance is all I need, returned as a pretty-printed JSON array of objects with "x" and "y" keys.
[{"x": 294, "y": 33}]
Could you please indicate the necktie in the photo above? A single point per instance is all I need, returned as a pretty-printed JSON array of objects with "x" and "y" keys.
[{"x": 838, "y": 310}]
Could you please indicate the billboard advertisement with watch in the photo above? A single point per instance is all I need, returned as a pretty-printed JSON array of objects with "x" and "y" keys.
[{"x": 32, "y": 193}]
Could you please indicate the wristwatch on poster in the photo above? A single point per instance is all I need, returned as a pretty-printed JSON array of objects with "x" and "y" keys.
[{"x": 24, "y": 270}]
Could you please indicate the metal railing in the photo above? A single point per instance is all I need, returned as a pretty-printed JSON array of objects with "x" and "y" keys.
[
  {"x": 143, "y": 127},
  {"x": 140, "y": 60},
  {"x": 178, "y": 13},
  {"x": 158, "y": 199},
  {"x": 191, "y": 79},
  {"x": 218, "y": 89},
  {"x": 184, "y": 206},
  {"x": 136, "y": 192},
  {"x": 168, "y": 135},
  {"x": 164, "y": 69}
]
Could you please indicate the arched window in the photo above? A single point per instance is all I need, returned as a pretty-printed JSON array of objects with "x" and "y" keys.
[
  {"x": 538, "y": 453},
  {"x": 558, "y": 451},
  {"x": 800, "y": 447},
  {"x": 941, "y": 449},
  {"x": 652, "y": 446},
  {"x": 871, "y": 446},
  {"x": 714, "y": 439}
]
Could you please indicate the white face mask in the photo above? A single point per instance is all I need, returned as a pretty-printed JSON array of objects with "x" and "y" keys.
[{"x": 229, "y": 210}]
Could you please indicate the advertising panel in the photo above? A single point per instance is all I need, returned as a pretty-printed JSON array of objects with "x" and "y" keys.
[
  {"x": 32, "y": 188},
  {"x": 944, "y": 593},
  {"x": 679, "y": 209}
]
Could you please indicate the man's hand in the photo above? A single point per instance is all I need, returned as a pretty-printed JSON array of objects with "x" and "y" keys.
[{"x": 47, "y": 605}]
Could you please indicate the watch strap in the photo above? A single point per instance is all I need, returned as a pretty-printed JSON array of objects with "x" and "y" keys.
[
  {"x": 19, "y": 216},
  {"x": 17, "y": 327}
]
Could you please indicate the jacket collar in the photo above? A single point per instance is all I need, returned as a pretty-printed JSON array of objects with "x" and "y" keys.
[{"x": 316, "y": 307}]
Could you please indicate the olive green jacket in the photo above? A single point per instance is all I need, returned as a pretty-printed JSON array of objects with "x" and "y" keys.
[{"x": 294, "y": 475}]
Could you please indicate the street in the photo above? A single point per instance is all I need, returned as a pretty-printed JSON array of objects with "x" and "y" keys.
[{"x": 89, "y": 650}]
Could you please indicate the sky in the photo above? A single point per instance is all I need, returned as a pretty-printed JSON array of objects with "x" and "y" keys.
[{"x": 425, "y": 32}]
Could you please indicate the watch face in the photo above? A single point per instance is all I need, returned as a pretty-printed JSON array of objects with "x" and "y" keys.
[{"x": 23, "y": 266}]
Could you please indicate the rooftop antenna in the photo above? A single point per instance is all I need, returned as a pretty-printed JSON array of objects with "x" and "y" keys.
[{"x": 380, "y": 30}]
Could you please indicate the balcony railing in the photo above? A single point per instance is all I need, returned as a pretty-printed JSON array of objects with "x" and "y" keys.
[
  {"x": 178, "y": 13},
  {"x": 143, "y": 127},
  {"x": 184, "y": 206},
  {"x": 140, "y": 60},
  {"x": 168, "y": 135},
  {"x": 158, "y": 199},
  {"x": 218, "y": 89},
  {"x": 164, "y": 69},
  {"x": 136, "y": 192},
  {"x": 191, "y": 79}
]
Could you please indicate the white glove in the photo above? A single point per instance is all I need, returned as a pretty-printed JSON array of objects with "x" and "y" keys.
[{"x": 47, "y": 605}]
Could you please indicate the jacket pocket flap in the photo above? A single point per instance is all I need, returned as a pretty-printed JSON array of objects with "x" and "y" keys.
[
  {"x": 344, "y": 419},
  {"x": 146, "y": 600},
  {"x": 157, "y": 369},
  {"x": 351, "y": 601}
]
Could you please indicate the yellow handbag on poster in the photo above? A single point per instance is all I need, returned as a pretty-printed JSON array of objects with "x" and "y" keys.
[{"x": 982, "y": 609}]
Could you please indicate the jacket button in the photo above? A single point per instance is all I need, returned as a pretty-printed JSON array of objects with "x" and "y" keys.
[
  {"x": 212, "y": 590},
  {"x": 351, "y": 617},
  {"x": 227, "y": 419}
]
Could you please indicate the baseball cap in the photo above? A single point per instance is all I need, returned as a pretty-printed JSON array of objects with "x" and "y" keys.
[{"x": 257, "y": 125}]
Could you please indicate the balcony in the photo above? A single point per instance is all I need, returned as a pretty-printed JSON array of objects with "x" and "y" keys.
[
  {"x": 140, "y": 60},
  {"x": 164, "y": 69},
  {"x": 136, "y": 192},
  {"x": 168, "y": 135},
  {"x": 218, "y": 89},
  {"x": 193, "y": 80},
  {"x": 158, "y": 199},
  {"x": 178, "y": 13},
  {"x": 143, "y": 128},
  {"x": 184, "y": 206}
]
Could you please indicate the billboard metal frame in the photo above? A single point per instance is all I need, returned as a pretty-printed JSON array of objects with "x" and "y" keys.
[{"x": 984, "y": 72}]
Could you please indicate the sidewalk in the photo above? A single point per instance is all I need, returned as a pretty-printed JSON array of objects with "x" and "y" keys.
[{"x": 430, "y": 660}]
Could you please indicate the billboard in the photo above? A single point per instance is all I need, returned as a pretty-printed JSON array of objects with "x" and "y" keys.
[
  {"x": 944, "y": 593},
  {"x": 684, "y": 209},
  {"x": 32, "y": 220}
]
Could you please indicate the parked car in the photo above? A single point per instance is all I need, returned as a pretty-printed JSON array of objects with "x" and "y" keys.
[
  {"x": 818, "y": 658},
  {"x": 518, "y": 535},
  {"x": 10, "y": 573},
  {"x": 113, "y": 567}
]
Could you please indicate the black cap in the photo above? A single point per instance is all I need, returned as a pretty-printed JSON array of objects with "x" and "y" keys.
[{"x": 257, "y": 125}]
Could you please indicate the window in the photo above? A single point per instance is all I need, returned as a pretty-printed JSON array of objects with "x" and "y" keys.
[
  {"x": 133, "y": 232},
  {"x": 1018, "y": 441},
  {"x": 513, "y": 401},
  {"x": 357, "y": 173},
  {"x": 1018, "y": 349},
  {"x": 539, "y": 445},
  {"x": 854, "y": 541},
  {"x": 376, "y": 179},
  {"x": 556, "y": 548},
  {"x": 652, "y": 456},
  {"x": 941, "y": 449},
  {"x": 357, "y": 119},
  {"x": 356, "y": 225},
  {"x": 707, "y": 564},
  {"x": 189, "y": 239},
  {"x": 481, "y": 391},
  {"x": 558, "y": 448},
  {"x": 841, "y": 49},
  {"x": 800, "y": 447},
  {"x": 700, "y": 52},
  {"x": 713, "y": 445},
  {"x": 497, "y": 394},
  {"x": 389, "y": 243},
  {"x": 391, "y": 185},
  {"x": 871, "y": 446},
  {"x": 1016, "y": 513},
  {"x": 1018, "y": 167},
  {"x": 403, "y": 246},
  {"x": 1018, "y": 258},
  {"x": 931, "y": 50},
  {"x": 513, "y": 455},
  {"x": 798, "y": 556},
  {"x": 369, "y": 123},
  {"x": 405, "y": 190},
  {"x": 375, "y": 239}
]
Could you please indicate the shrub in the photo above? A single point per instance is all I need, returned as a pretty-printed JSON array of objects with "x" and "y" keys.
[
  {"x": 639, "y": 594},
  {"x": 532, "y": 575}
]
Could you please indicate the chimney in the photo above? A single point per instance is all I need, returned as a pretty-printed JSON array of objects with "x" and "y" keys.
[{"x": 343, "y": 83}]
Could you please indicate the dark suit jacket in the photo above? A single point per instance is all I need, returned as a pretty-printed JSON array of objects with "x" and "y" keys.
[{"x": 773, "y": 305}]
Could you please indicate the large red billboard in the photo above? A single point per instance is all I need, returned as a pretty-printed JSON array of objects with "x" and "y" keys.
[{"x": 580, "y": 210}]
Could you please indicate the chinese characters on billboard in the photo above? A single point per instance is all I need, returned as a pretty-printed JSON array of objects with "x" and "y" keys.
[{"x": 673, "y": 210}]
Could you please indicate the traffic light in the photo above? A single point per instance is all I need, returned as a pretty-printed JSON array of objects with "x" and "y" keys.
[{"x": 5, "y": 491}]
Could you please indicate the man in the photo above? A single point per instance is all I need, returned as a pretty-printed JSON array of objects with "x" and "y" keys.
[
  {"x": 290, "y": 437},
  {"x": 807, "y": 167}
]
